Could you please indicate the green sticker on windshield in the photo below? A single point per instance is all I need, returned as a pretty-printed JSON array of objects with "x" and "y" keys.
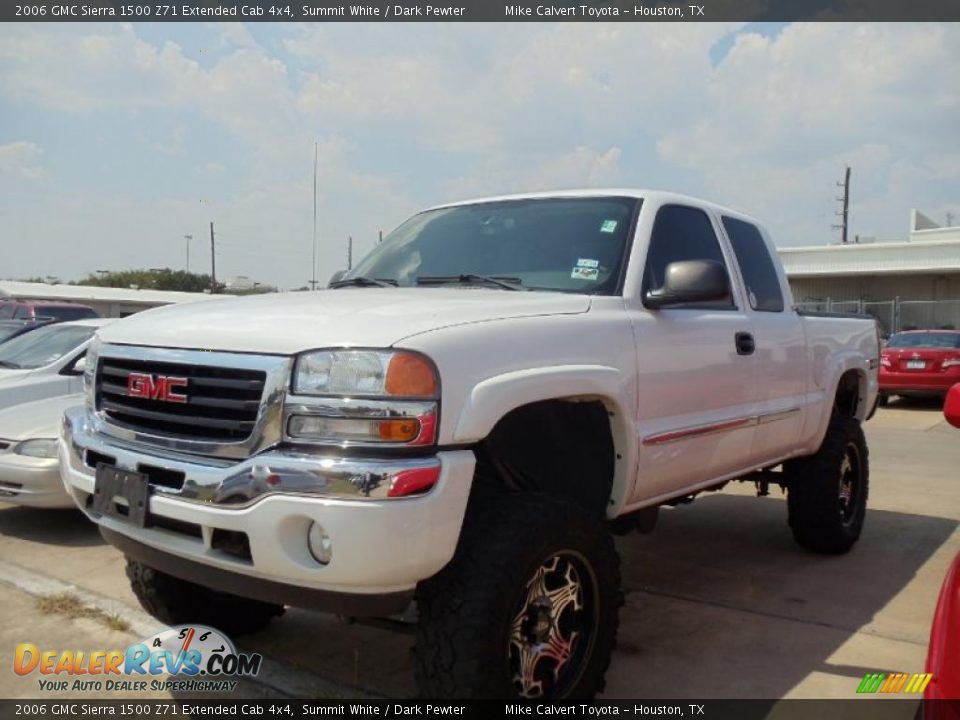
[{"x": 608, "y": 226}]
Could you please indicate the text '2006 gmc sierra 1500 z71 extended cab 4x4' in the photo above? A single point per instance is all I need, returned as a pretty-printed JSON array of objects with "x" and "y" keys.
[{"x": 462, "y": 420}]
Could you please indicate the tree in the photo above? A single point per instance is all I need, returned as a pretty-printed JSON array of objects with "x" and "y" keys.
[{"x": 152, "y": 279}]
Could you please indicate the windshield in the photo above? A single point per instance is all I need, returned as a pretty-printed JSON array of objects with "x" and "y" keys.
[
  {"x": 7, "y": 331},
  {"x": 6, "y": 310},
  {"x": 565, "y": 244},
  {"x": 926, "y": 340},
  {"x": 43, "y": 346}
]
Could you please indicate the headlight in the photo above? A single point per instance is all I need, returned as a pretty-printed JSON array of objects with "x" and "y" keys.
[
  {"x": 368, "y": 373},
  {"x": 41, "y": 448},
  {"x": 365, "y": 397}
]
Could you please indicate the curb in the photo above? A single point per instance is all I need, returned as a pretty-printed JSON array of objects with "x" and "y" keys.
[{"x": 275, "y": 678}]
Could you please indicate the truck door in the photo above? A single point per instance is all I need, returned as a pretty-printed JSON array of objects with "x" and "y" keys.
[
  {"x": 781, "y": 349},
  {"x": 696, "y": 387}
]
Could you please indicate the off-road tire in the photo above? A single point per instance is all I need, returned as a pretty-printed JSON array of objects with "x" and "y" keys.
[
  {"x": 468, "y": 611},
  {"x": 820, "y": 519},
  {"x": 178, "y": 602}
]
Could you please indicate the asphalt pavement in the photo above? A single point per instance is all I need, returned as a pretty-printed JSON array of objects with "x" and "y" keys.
[{"x": 720, "y": 601}]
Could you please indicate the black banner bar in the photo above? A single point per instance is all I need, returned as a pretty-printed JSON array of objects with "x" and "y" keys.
[
  {"x": 620, "y": 11},
  {"x": 854, "y": 709}
]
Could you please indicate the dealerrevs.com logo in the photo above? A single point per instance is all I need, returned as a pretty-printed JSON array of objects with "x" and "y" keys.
[{"x": 196, "y": 657}]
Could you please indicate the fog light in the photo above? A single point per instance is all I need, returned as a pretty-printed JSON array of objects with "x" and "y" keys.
[{"x": 319, "y": 544}]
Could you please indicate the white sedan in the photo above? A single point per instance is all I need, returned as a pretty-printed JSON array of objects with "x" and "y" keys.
[
  {"x": 46, "y": 362},
  {"x": 29, "y": 468}
]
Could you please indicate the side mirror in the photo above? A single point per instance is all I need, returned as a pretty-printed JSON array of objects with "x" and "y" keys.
[
  {"x": 951, "y": 406},
  {"x": 338, "y": 275},
  {"x": 690, "y": 281},
  {"x": 79, "y": 366}
]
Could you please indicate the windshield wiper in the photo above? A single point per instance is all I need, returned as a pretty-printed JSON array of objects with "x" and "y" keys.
[
  {"x": 6, "y": 364},
  {"x": 362, "y": 281},
  {"x": 507, "y": 283}
]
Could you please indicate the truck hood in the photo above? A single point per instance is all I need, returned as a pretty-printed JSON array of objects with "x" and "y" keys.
[
  {"x": 288, "y": 323},
  {"x": 40, "y": 419}
]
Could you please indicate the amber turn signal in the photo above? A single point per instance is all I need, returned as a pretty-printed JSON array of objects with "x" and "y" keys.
[
  {"x": 403, "y": 430},
  {"x": 410, "y": 375}
]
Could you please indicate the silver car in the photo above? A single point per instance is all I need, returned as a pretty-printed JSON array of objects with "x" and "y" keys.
[{"x": 29, "y": 468}]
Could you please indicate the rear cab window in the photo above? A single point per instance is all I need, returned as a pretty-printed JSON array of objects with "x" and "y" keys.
[{"x": 756, "y": 265}]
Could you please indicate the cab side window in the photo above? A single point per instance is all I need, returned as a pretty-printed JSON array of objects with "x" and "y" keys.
[
  {"x": 23, "y": 313},
  {"x": 756, "y": 265},
  {"x": 682, "y": 233}
]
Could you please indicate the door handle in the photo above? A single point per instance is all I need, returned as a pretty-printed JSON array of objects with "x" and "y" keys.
[{"x": 745, "y": 343}]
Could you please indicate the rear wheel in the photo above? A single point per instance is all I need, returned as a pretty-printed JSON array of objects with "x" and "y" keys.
[
  {"x": 827, "y": 496},
  {"x": 527, "y": 608},
  {"x": 178, "y": 602}
]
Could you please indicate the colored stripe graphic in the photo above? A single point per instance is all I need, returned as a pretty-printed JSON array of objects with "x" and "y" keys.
[{"x": 894, "y": 683}]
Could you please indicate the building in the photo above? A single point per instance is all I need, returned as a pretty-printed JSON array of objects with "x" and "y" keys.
[
  {"x": 109, "y": 302},
  {"x": 906, "y": 284}
]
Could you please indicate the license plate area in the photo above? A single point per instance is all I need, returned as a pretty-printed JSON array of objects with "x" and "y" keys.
[
  {"x": 916, "y": 364},
  {"x": 121, "y": 494}
]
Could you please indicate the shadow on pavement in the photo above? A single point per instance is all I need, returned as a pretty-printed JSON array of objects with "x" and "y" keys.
[
  {"x": 720, "y": 603},
  {"x": 934, "y": 403},
  {"x": 67, "y": 528}
]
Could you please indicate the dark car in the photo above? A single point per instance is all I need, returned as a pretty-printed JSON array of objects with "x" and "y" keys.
[
  {"x": 920, "y": 362},
  {"x": 34, "y": 310}
]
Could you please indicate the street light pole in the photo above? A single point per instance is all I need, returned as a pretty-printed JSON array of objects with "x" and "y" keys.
[{"x": 188, "y": 238}]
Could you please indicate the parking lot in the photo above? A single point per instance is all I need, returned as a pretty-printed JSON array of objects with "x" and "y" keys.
[{"x": 720, "y": 601}]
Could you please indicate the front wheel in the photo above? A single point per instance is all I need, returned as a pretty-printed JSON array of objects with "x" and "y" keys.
[
  {"x": 527, "y": 608},
  {"x": 827, "y": 491}
]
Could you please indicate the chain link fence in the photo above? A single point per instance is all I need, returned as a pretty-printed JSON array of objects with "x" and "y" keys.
[{"x": 896, "y": 315}]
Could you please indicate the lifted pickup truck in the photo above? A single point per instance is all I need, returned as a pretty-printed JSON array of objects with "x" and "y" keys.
[{"x": 463, "y": 420}]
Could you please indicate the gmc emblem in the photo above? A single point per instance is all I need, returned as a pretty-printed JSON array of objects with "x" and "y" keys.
[{"x": 156, "y": 387}]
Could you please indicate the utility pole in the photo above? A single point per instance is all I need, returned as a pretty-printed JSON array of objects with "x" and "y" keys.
[
  {"x": 949, "y": 219},
  {"x": 350, "y": 252},
  {"x": 844, "y": 214},
  {"x": 213, "y": 262},
  {"x": 188, "y": 238},
  {"x": 313, "y": 277}
]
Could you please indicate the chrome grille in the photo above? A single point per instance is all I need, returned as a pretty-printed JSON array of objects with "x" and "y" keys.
[{"x": 222, "y": 404}]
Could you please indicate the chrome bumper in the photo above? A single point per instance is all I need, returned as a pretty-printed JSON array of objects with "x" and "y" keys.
[
  {"x": 252, "y": 518},
  {"x": 239, "y": 484}
]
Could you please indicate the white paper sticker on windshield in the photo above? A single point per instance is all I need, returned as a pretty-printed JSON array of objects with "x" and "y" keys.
[
  {"x": 608, "y": 226},
  {"x": 588, "y": 263},
  {"x": 584, "y": 273}
]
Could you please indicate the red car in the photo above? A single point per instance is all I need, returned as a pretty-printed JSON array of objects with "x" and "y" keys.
[
  {"x": 943, "y": 656},
  {"x": 920, "y": 362}
]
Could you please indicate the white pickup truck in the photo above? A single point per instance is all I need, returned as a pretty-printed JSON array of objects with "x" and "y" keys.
[{"x": 463, "y": 420}]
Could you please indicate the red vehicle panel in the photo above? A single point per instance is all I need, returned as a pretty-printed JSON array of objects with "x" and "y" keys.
[
  {"x": 920, "y": 362},
  {"x": 943, "y": 656}
]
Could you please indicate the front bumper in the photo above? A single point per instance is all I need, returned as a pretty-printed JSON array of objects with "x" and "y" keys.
[
  {"x": 380, "y": 546},
  {"x": 32, "y": 481}
]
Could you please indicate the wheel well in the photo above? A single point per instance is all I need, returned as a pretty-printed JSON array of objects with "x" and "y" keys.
[
  {"x": 847, "y": 401},
  {"x": 558, "y": 447}
]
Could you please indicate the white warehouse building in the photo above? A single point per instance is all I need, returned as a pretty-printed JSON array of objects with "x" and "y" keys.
[{"x": 906, "y": 284}]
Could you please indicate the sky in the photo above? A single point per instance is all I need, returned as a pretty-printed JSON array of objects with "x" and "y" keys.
[{"x": 118, "y": 140}]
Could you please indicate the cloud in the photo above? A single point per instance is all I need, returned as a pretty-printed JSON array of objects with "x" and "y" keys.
[
  {"x": 413, "y": 115},
  {"x": 21, "y": 161},
  {"x": 785, "y": 114}
]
